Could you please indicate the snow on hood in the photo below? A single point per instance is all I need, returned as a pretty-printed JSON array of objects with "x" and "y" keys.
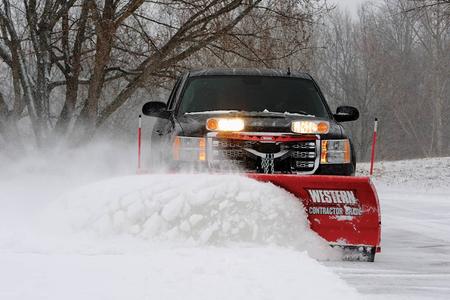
[{"x": 217, "y": 210}]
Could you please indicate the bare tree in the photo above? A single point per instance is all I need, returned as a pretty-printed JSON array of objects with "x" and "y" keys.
[
  {"x": 215, "y": 26},
  {"x": 74, "y": 63},
  {"x": 350, "y": 71},
  {"x": 433, "y": 34},
  {"x": 40, "y": 23},
  {"x": 416, "y": 5},
  {"x": 391, "y": 64}
]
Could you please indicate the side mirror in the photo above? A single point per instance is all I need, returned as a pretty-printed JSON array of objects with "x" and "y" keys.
[
  {"x": 155, "y": 109},
  {"x": 346, "y": 114}
]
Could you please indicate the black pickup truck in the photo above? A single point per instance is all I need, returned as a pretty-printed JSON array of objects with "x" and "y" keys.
[{"x": 264, "y": 121}]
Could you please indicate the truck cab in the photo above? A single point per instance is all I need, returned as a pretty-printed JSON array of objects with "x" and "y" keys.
[{"x": 251, "y": 120}]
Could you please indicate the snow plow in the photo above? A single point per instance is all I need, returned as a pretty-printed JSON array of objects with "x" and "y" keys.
[
  {"x": 343, "y": 210},
  {"x": 275, "y": 127}
]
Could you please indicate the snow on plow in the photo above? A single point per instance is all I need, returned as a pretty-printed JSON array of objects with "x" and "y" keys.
[{"x": 343, "y": 210}]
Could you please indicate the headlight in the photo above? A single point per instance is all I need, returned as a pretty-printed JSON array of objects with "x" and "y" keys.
[
  {"x": 189, "y": 149},
  {"x": 310, "y": 127},
  {"x": 335, "y": 152},
  {"x": 225, "y": 124}
]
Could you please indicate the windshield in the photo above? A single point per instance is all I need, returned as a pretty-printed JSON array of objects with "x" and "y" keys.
[{"x": 252, "y": 94}]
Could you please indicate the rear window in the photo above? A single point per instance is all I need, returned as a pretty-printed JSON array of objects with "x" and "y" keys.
[{"x": 252, "y": 94}]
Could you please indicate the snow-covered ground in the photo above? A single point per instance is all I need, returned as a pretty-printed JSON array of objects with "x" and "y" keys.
[
  {"x": 75, "y": 226},
  {"x": 415, "y": 259}
]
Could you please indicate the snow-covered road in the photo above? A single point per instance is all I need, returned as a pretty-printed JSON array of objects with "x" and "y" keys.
[
  {"x": 415, "y": 258},
  {"x": 98, "y": 249}
]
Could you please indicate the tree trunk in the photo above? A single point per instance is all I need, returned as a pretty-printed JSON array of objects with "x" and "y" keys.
[
  {"x": 9, "y": 130},
  {"x": 105, "y": 30}
]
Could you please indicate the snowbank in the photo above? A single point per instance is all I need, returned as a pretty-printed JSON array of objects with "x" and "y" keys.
[
  {"x": 217, "y": 210},
  {"x": 426, "y": 173},
  {"x": 151, "y": 237},
  {"x": 202, "y": 273}
]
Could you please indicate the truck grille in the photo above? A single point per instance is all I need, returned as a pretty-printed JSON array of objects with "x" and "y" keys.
[{"x": 298, "y": 156}]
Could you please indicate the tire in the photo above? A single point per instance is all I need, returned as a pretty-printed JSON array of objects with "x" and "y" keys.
[{"x": 371, "y": 254}]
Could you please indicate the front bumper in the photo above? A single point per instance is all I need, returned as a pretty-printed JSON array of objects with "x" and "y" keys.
[
  {"x": 336, "y": 169},
  {"x": 272, "y": 153}
]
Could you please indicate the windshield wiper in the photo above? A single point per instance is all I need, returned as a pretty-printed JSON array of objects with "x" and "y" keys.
[
  {"x": 211, "y": 112},
  {"x": 252, "y": 113},
  {"x": 286, "y": 113},
  {"x": 300, "y": 113}
]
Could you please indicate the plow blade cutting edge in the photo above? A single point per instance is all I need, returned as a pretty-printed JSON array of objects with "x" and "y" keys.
[{"x": 343, "y": 210}]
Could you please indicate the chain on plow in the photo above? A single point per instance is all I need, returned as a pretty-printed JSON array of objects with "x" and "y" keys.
[{"x": 267, "y": 163}]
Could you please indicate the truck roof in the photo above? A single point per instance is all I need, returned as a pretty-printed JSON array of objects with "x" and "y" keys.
[{"x": 249, "y": 72}]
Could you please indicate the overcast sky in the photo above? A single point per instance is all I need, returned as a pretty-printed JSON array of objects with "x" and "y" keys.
[{"x": 351, "y": 5}]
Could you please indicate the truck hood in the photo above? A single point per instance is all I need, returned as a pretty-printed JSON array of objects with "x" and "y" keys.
[{"x": 193, "y": 124}]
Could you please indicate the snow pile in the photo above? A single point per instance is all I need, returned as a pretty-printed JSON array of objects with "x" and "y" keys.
[
  {"x": 217, "y": 210},
  {"x": 151, "y": 237}
]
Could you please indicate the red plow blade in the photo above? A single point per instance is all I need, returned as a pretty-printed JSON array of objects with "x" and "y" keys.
[{"x": 343, "y": 210}]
